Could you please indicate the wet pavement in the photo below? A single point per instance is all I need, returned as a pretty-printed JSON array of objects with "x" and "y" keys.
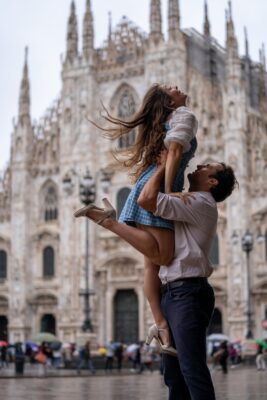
[{"x": 239, "y": 384}]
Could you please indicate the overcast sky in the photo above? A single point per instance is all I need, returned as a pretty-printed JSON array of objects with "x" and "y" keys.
[{"x": 41, "y": 25}]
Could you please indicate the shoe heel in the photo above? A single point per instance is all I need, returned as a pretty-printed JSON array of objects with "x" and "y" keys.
[
  {"x": 150, "y": 335},
  {"x": 106, "y": 203},
  {"x": 110, "y": 208},
  {"x": 149, "y": 339}
]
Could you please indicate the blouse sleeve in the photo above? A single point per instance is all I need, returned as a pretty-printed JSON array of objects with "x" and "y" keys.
[{"x": 183, "y": 127}]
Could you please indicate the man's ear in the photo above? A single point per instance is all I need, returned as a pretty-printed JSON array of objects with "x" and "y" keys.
[{"x": 213, "y": 182}]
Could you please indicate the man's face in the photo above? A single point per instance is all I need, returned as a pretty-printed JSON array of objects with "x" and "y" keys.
[{"x": 204, "y": 173}]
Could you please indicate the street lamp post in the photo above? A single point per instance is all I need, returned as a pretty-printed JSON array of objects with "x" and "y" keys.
[
  {"x": 87, "y": 196},
  {"x": 247, "y": 247},
  {"x": 87, "y": 192}
]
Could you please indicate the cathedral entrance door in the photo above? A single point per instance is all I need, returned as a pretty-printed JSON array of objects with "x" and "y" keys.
[
  {"x": 126, "y": 316},
  {"x": 48, "y": 324}
]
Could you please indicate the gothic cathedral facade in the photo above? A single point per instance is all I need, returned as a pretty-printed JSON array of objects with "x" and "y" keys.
[{"x": 43, "y": 251}]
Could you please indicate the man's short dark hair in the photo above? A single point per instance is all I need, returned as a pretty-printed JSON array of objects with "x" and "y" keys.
[{"x": 226, "y": 183}]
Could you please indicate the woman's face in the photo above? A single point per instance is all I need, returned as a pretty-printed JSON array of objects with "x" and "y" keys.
[{"x": 178, "y": 97}]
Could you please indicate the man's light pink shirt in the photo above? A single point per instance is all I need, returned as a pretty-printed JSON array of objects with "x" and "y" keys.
[{"x": 195, "y": 227}]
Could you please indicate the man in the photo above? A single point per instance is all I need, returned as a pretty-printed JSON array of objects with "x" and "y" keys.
[{"x": 187, "y": 298}]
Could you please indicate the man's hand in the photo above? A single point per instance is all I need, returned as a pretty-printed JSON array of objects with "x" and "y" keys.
[{"x": 185, "y": 197}]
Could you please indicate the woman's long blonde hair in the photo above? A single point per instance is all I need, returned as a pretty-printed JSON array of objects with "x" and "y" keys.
[{"x": 149, "y": 119}]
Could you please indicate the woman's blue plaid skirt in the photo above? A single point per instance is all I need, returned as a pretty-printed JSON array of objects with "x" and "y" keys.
[{"x": 133, "y": 214}]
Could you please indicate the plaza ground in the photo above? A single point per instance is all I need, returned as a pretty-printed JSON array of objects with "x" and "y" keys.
[{"x": 242, "y": 383}]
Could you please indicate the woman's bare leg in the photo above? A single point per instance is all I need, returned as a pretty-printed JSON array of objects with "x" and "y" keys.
[
  {"x": 152, "y": 292},
  {"x": 157, "y": 244},
  {"x": 146, "y": 236}
]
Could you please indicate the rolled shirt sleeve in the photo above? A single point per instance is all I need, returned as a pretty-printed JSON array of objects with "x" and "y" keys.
[
  {"x": 200, "y": 209},
  {"x": 183, "y": 127},
  {"x": 173, "y": 208}
]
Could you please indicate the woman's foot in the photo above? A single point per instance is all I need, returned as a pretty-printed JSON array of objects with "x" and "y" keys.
[{"x": 97, "y": 214}]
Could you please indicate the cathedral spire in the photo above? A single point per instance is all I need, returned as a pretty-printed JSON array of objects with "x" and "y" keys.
[
  {"x": 24, "y": 96},
  {"x": 231, "y": 41},
  {"x": 173, "y": 19},
  {"x": 206, "y": 24},
  {"x": 72, "y": 34},
  {"x": 88, "y": 31},
  {"x": 155, "y": 21},
  {"x": 263, "y": 56},
  {"x": 109, "y": 26},
  {"x": 246, "y": 42}
]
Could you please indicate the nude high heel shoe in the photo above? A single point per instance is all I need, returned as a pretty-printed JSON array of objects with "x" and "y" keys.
[
  {"x": 100, "y": 214},
  {"x": 109, "y": 208},
  {"x": 154, "y": 333}
]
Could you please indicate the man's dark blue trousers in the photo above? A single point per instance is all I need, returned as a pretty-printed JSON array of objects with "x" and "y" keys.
[{"x": 188, "y": 305}]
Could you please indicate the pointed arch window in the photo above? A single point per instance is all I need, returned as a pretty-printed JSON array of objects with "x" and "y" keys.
[
  {"x": 3, "y": 265},
  {"x": 126, "y": 108},
  {"x": 48, "y": 262},
  {"x": 214, "y": 252},
  {"x": 50, "y": 203},
  {"x": 121, "y": 199}
]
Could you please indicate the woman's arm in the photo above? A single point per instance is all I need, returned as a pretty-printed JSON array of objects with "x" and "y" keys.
[
  {"x": 174, "y": 157},
  {"x": 148, "y": 196}
]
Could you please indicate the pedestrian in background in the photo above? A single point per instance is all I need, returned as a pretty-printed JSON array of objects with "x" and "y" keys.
[
  {"x": 85, "y": 359},
  {"x": 223, "y": 359},
  {"x": 109, "y": 357},
  {"x": 260, "y": 362},
  {"x": 3, "y": 358},
  {"x": 119, "y": 356},
  {"x": 232, "y": 355}
]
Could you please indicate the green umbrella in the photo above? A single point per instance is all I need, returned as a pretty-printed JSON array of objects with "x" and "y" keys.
[
  {"x": 262, "y": 342},
  {"x": 44, "y": 337}
]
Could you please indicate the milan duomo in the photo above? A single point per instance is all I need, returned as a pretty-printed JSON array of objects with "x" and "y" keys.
[{"x": 45, "y": 254}]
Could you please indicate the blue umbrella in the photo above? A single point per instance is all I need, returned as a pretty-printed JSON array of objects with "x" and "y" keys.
[{"x": 33, "y": 346}]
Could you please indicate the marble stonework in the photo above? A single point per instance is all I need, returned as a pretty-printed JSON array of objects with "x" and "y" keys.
[{"x": 228, "y": 93}]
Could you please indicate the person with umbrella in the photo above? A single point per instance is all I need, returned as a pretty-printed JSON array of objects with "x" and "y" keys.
[
  {"x": 56, "y": 353},
  {"x": 109, "y": 357},
  {"x": 261, "y": 351},
  {"x": 3, "y": 354},
  {"x": 85, "y": 358}
]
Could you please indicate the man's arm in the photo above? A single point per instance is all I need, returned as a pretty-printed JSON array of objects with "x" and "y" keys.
[{"x": 148, "y": 197}]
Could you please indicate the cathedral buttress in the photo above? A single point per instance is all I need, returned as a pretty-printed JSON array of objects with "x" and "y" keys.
[
  {"x": 236, "y": 154},
  {"x": 21, "y": 211}
]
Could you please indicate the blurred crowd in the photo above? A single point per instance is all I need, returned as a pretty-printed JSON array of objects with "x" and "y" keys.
[
  {"x": 222, "y": 353},
  {"x": 114, "y": 356},
  {"x": 56, "y": 355}
]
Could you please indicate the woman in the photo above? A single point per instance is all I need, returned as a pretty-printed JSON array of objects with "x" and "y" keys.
[{"x": 163, "y": 121}]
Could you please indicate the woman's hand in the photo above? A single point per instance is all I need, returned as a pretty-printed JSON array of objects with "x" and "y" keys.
[
  {"x": 186, "y": 197},
  {"x": 162, "y": 158}
]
